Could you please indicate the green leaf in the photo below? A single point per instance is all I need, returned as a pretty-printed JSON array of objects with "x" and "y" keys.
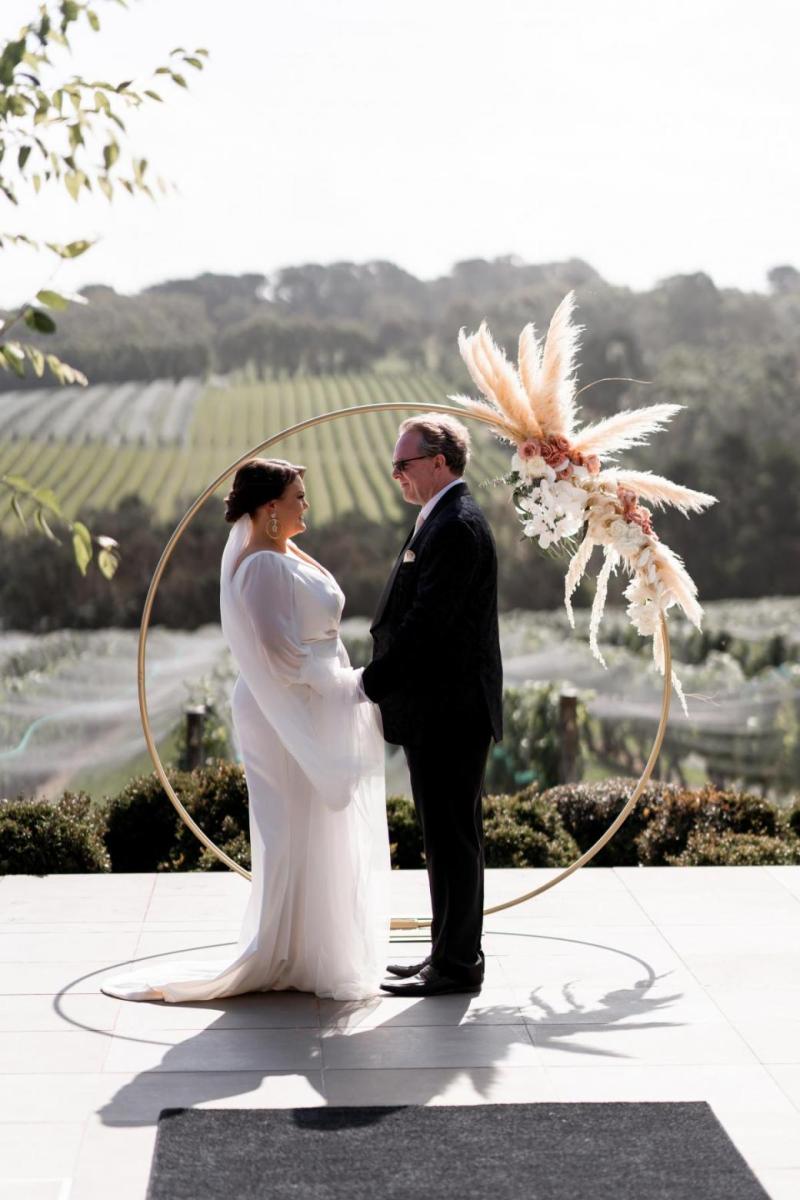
[
  {"x": 194, "y": 62},
  {"x": 64, "y": 373},
  {"x": 110, "y": 154},
  {"x": 19, "y": 484},
  {"x": 10, "y": 59},
  {"x": 153, "y": 95},
  {"x": 71, "y": 250},
  {"x": 55, "y": 366},
  {"x": 37, "y": 360},
  {"x": 23, "y": 156},
  {"x": 108, "y": 562},
  {"x": 75, "y": 134},
  {"x": 93, "y": 19},
  {"x": 101, "y": 101},
  {"x": 179, "y": 79},
  {"x": 37, "y": 184},
  {"x": 82, "y": 546},
  {"x": 106, "y": 187},
  {"x": 107, "y": 555},
  {"x": 47, "y": 498},
  {"x": 73, "y": 181},
  {"x": 52, "y": 299},
  {"x": 39, "y": 321},
  {"x": 40, "y": 521},
  {"x": 12, "y": 353},
  {"x": 17, "y": 510}
]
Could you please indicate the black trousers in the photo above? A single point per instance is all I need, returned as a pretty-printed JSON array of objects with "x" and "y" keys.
[{"x": 447, "y": 768}]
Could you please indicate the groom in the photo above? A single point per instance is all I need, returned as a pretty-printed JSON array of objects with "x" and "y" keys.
[{"x": 436, "y": 674}]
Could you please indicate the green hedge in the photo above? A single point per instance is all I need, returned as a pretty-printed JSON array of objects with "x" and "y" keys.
[
  {"x": 145, "y": 833},
  {"x": 40, "y": 838},
  {"x": 139, "y": 830},
  {"x": 704, "y": 818},
  {"x": 587, "y": 810}
]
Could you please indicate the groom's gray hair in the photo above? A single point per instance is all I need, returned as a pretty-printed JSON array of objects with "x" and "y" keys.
[{"x": 441, "y": 434}]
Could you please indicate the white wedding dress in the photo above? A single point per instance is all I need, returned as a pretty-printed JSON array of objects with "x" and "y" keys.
[{"x": 317, "y": 916}]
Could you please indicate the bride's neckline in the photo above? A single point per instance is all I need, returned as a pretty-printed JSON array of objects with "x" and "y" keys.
[{"x": 287, "y": 556}]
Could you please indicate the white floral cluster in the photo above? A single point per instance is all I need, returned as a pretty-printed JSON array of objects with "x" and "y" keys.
[
  {"x": 646, "y": 600},
  {"x": 552, "y": 511}
]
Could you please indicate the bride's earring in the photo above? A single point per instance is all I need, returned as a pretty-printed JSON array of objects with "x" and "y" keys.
[{"x": 273, "y": 527}]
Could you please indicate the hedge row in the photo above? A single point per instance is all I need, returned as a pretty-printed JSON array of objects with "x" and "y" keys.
[{"x": 139, "y": 830}]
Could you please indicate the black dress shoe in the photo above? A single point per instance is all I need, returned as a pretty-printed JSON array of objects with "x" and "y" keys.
[
  {"x": 406, "y": 970},
  {"x": 430, "y": 982}
]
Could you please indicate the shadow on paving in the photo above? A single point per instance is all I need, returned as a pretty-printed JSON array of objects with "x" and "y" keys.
[{"x": 181, "y": 1068}]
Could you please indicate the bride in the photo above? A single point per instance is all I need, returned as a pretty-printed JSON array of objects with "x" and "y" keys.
[{"x": 316, "y": 919}]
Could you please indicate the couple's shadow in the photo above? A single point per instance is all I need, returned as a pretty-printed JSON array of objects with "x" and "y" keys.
[{"x": 338, "y": 1053}]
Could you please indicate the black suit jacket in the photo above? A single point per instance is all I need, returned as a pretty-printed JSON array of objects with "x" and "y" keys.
[{"x": 436, "y": 640}]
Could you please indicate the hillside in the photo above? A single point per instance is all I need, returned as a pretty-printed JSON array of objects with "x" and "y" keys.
[{"x": 164, "y": 442}]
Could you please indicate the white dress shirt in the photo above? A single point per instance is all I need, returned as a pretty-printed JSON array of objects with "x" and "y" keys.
[{"x": 429, "y": 505}]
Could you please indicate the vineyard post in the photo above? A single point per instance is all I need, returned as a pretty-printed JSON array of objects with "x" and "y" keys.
[{"x": 568, "y": 737}]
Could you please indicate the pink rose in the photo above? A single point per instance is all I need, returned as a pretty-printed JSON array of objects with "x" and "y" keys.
[
  {"x": 528, "y": 450},
  {"x": 551, "y": 453}
]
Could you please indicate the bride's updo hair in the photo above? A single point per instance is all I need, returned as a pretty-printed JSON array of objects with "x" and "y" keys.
[{"x": 257, "y": 482}]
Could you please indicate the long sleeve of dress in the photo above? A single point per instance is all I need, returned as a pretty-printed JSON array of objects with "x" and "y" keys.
[
  {"x": 307, "y": 691},
  {"x": 268, "y": 597}
]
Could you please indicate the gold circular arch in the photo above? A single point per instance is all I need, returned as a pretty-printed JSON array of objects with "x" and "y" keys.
[{"x": 335, "y": 415}]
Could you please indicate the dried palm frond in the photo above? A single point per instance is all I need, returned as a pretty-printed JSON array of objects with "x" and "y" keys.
[
  {"x": 529, "y": 365},
  {"x": 537, "y": 399},
  {"x": 599, "y": 602},
  {"x": 675, "y": 576},
  {"x": 508, "y": 390},
  {"x": 497, "y": 379},
  {"x": 578, "y": 564},
  {"x": 624, "y": 429},
  {"x": 491, "y": 416},
  {"x": 657, "y": 489},
  {"x": 467, "y": 345},
  {"x": 553, "y": 400}
]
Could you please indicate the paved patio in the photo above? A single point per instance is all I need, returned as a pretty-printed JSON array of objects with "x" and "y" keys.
[{"x": 633, "y": 984}]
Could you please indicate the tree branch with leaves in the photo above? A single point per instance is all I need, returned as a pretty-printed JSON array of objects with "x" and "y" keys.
[{"x": 64, "y": 132}]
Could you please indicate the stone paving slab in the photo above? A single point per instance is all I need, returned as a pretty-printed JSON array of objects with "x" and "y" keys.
[{"x": 626, "y": 984}]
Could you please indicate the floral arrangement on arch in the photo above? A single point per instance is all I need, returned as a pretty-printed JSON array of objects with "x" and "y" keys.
[{"x": 561, "y": 487}]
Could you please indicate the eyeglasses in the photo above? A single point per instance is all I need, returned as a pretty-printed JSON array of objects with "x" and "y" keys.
[{"x": 402, "y": 463}]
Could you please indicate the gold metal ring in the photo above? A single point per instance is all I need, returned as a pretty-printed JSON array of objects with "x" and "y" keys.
[{"x": 335, "y": 415}]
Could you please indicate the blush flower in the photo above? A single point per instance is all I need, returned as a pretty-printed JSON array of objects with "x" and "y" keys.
[{"x": 529, "y": 449}]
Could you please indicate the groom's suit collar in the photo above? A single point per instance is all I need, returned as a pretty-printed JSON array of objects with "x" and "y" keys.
[
  {"x": 431, "y": 504},
  {"x": 441, "y": 500},
  {"x": 445, "y": 498}
]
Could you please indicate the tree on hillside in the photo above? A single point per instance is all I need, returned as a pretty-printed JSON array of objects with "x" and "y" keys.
[{"x": 63, "y": 132}]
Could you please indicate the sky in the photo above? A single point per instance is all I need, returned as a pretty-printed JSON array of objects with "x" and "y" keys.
[{"x": 648, "y": 139}]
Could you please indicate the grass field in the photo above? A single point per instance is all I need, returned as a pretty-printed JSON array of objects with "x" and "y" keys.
[{"x": 165, "y": 441}]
